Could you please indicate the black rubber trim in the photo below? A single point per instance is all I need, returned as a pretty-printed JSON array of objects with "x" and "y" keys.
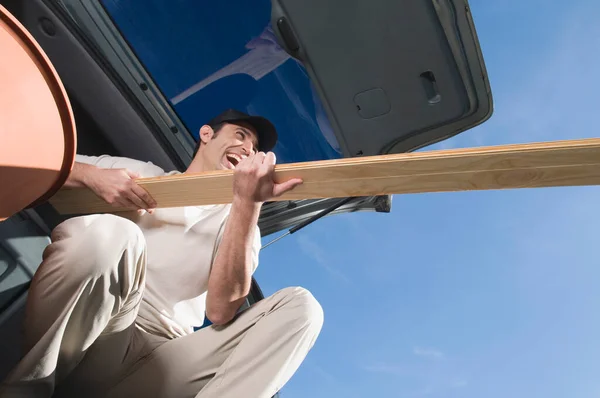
[
  {"x": 116, "y": 79},
  {"x": 132, "y": 49}
]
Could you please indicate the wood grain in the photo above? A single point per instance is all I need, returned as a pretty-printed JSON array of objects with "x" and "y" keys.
[{"x": 535, "y": 165}]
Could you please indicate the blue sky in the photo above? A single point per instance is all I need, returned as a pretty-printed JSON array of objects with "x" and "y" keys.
[
  {"x": 472, "y": 294},
  {"x": 500, "y": 299}
]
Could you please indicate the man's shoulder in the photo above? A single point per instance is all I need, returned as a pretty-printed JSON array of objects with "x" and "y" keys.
[{"x": 143, "y": 168}]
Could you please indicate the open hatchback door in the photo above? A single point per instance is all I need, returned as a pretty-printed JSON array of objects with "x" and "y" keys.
[{"x": 393, "y": 76}]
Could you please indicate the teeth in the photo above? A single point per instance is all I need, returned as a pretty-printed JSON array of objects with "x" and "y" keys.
[
  {"x": 236, "y": 157},
  {"x": 233, "y": 159}
]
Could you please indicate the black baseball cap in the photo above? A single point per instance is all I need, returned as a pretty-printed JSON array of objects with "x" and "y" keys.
[{"x": 267, "y": 134}]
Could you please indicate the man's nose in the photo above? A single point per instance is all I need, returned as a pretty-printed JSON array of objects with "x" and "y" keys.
[{"x": 247, "y": 148}]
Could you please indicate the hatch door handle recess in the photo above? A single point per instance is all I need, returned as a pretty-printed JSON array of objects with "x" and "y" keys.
[
  {"x": 288, "y": 34},
  {"x": 431, "y": 87}
]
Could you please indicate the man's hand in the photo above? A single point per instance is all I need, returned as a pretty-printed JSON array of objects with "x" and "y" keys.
[
  {"x": 118, "y": 188},
  {"x": 253, "y": 179}
]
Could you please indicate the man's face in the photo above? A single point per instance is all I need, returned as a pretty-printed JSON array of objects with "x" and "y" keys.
[{"x": 225, "y": 149}]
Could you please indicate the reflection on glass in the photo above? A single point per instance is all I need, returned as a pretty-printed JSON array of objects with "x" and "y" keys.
[{"x": 209, "y": 56}]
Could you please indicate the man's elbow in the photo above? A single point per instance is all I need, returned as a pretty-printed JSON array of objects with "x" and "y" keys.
[
  {"x": 219, "y": 317},
  {"x": 220, "y": 310}
]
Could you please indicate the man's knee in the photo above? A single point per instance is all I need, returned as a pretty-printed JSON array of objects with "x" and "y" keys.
[
  {"x": 99, "y": 243},
  {"x": 308, "y": 310}
]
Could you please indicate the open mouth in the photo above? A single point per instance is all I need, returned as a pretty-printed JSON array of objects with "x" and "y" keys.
[{"x": 232, "y": 160}]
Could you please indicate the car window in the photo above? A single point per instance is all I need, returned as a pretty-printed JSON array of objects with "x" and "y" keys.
[{"x": 209, "y": 56}]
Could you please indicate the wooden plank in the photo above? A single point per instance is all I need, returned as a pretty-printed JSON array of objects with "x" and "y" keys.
[{"x": 535, "y": 165}]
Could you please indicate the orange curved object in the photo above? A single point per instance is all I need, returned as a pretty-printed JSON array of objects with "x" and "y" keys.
[{"x": 37, "y": 128}]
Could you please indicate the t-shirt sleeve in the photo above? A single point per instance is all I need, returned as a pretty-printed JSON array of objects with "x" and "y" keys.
[
  {"x": 256, "y": 249},
  {"x": 144, "y": 169}
]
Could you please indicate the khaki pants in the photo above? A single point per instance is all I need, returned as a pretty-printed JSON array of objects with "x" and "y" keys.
[{"x": 80, "y": 338}]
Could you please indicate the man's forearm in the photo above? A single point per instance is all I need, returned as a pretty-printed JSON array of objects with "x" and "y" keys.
[
  {"x": 231, "y": 274},
  {"x": 79, "y": 175}
]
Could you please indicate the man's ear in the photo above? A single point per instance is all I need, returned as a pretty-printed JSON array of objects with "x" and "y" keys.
[{"x": 206, "y": 133}]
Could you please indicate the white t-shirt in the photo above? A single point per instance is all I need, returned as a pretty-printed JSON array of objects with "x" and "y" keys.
[{"x": 181, "y": 246}]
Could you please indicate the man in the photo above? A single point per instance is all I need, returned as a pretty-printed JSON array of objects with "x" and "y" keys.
[{"x": 113, "y": 308}]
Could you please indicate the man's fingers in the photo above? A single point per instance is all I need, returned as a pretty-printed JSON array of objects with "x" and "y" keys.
[
  {"x": 136, "y": 200},
  {"x": 270, "y": 159},
  {"x": 280, "y": 189},
  {"x": 268, "y": 164},
  {"x": 136, "y": 196},
  {"x": 259, "y": 158},
  {"x": 144, "y": 196},
  {"x": 125, "y": 203}
]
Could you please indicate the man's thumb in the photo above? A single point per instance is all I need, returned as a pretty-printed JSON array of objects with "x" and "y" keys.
[
  {"x": 284, "y": 187},
  {"x": 132, "y": 174}
]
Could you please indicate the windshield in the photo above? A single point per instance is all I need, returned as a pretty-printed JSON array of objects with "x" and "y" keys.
[{"x": 209, "y": 56}]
